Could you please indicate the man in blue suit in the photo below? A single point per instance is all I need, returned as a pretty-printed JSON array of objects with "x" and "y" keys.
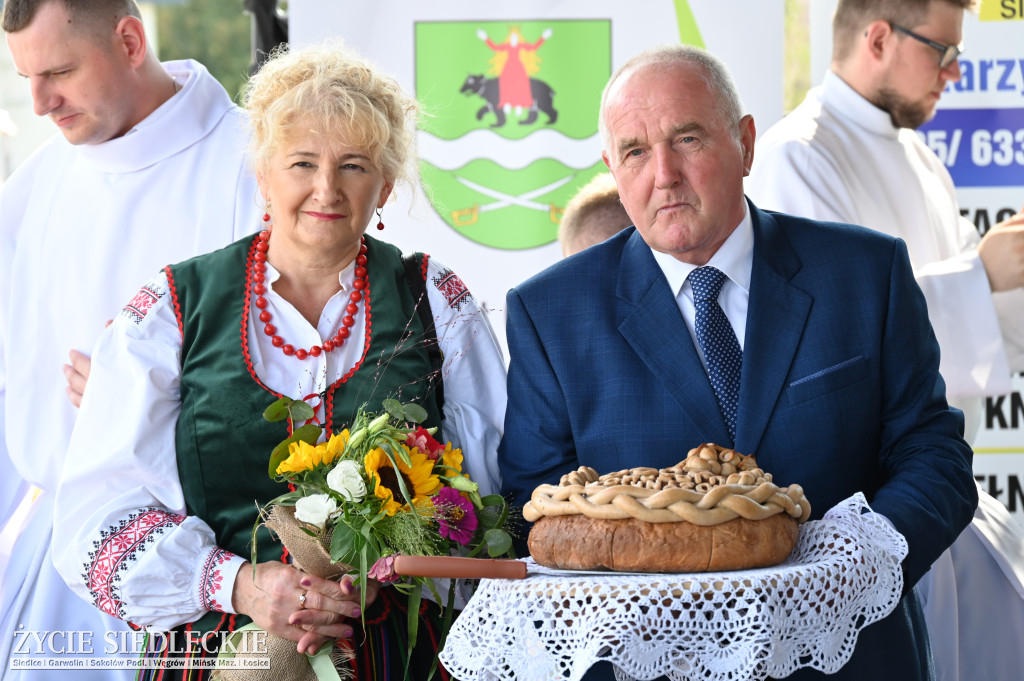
[{"x": 836, "y": 383}]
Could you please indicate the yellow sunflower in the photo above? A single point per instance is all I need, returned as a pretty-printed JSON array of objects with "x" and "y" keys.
[
  {"x": 303, "y": 456},
  {"x": 420, "y": 479}
]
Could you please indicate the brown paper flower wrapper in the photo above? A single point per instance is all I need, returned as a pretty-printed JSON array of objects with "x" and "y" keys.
[
  {"x": 312, "y": 555},
  {"x": 309, "y": 554}
]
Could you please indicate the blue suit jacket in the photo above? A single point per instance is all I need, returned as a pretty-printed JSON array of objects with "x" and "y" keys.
[{"x": 840, "y": 390}]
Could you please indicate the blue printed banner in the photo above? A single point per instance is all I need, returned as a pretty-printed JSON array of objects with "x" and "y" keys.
[{"x": 981, "y": 147}]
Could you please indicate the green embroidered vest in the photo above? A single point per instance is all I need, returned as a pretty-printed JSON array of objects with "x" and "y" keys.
[{"x": 223, "y": 443}]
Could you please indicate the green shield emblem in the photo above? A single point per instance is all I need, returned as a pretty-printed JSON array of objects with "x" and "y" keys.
[{"x": 510, "y": 132}]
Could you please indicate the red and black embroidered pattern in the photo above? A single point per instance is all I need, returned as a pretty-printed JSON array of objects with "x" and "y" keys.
[
  {"x": 116, "y": 549},
  {"x": 452, "y": 288},
  {"x": 212, "y": 581},
  {"x": 139, "y": 306}
]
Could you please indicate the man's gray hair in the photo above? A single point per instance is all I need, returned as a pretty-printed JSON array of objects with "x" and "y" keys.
[{"x": 715, "y": 74}]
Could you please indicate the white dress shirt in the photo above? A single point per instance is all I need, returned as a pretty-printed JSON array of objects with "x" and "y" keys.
[{"x": 735, "y": 259}]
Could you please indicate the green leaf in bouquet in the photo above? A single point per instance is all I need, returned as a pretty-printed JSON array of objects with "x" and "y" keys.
[
  {"x": 364, "y": 567},
  {"x": 279, "y": 454},
  {"x": 393, "y": 446},
  {"x": 488, "y": 517},
  {"x": 414, "y": 413},
  {"x": 301, "y": 411},
  {"x": 344, "y": 543},
  {"x": 394, "y": 408},
  {"x": 498, "y": 542},
  {"x": 404, "y": 587},
  {"x": 309, "y": 433},
  {"x": 490, "y": 511},
  {"x": 371, "y": 513},
  {"x": 287, "y": 499},
  {"x": 287, "y": 408},
  {"x": 278, "y": 411},
  {"x": 372, "y": 552},
  {"x": 372, "y": 549},
  {"x": 413, "y": 623}
]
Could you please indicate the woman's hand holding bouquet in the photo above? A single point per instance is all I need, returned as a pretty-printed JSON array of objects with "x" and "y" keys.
[{"x": 381, "y": 488}]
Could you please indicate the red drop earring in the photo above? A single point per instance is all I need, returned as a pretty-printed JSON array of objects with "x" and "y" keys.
[{"x": 380, "y": 223}]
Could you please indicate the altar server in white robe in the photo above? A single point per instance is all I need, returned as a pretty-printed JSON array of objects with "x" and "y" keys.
[
  {"x": 850, "y": 153},
  {"x": 149, "y": 170}
]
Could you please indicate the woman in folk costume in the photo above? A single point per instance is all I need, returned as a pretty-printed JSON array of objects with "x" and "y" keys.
[{"x": 170, "y": 453}]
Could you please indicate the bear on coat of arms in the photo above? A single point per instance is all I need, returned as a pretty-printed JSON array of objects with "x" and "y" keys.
[{"x": 488, "y": 88}]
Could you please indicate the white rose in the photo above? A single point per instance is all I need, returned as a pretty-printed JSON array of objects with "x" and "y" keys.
[
  {"x": 315, "y": 509},
  {"x": 346, "y": 480}
]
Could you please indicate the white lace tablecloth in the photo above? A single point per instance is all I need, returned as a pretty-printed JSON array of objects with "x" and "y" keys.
[{"x": 724, "y": 626}]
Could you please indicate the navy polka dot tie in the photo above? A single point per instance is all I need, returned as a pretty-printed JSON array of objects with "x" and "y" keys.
[{"x": 718, "y": 342}]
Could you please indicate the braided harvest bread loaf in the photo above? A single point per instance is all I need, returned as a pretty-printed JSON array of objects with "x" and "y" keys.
[{"x": 714, "y": 511}]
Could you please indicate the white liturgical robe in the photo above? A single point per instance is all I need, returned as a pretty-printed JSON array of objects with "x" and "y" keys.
[{"x": 80, "y": 228}]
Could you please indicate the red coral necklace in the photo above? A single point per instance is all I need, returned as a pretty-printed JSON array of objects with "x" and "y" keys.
[{"x": 344, "y": 331}]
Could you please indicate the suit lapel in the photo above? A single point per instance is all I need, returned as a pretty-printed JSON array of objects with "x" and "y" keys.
[
  {"x": 776, "y": 315},
  {"x": 655, "y": 329}
]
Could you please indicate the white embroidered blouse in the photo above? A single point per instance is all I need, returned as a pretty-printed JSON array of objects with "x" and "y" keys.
[{"x": 122, "y": 536}]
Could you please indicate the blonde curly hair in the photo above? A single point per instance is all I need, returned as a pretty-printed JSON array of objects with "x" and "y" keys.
[{"x": 337, "y": 93}]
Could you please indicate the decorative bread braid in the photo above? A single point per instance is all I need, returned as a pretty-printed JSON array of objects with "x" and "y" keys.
[{"x": 712, "y": 486}]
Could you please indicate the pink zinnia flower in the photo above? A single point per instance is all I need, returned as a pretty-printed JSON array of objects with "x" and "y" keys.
[
  {"x": 384, "y": 570},
  {"x": 425, "y": 442},
  {"x": 455, "y": 515}
]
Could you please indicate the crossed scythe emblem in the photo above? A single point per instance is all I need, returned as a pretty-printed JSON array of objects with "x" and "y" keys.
[{"x": 469, "y": 216}]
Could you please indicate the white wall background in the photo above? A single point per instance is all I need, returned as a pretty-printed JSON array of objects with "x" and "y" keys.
[{"x": 383, "y": 32}]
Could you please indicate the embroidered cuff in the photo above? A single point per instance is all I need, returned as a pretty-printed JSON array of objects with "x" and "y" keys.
[
  {"x": 119, "y": 547},
  {"x": 217, "y": 580}
]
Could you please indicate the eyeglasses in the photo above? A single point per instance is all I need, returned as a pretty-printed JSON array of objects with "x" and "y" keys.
[{"x": 949, "y": 52}]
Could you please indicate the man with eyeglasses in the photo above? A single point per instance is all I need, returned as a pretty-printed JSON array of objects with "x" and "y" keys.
[{"x": 849, "y": 153}]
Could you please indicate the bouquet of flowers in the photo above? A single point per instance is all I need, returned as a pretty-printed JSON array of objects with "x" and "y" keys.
[{"x": 381, "y": 488}]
